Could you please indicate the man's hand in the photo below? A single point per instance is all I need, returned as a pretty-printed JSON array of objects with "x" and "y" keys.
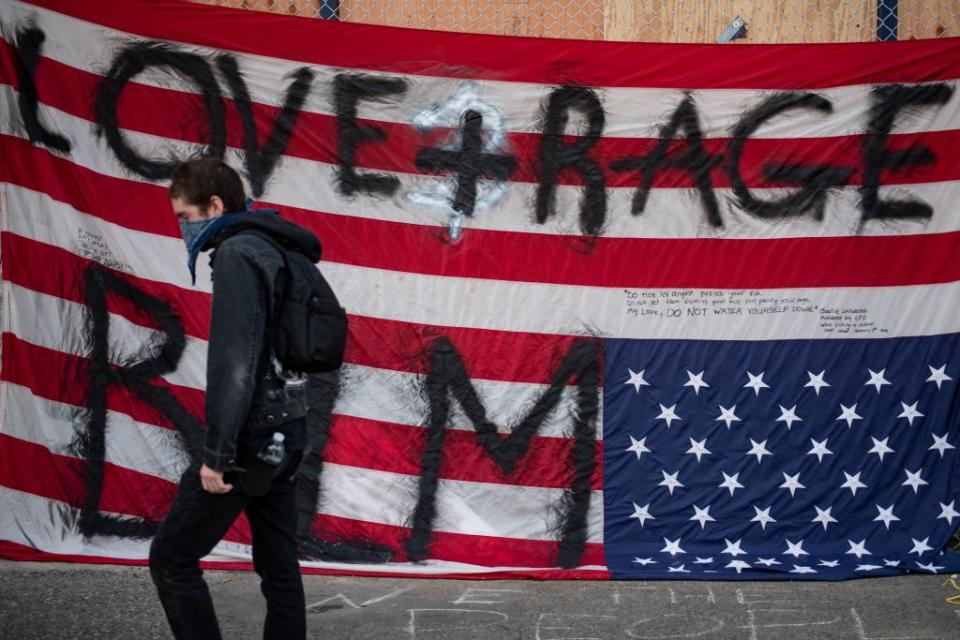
[{"x": 212, "y": 481}]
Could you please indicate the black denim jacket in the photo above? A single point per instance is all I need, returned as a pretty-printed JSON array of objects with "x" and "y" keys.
[{"x": 244, "y": 394}]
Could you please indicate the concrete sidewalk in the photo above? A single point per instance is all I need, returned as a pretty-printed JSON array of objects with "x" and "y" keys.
[{"x": 83, "y": 601}]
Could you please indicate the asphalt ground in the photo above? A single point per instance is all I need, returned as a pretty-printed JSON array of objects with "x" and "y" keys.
[{"x": 39, "y": 600}]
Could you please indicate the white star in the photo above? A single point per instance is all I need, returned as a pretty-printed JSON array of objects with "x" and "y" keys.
[
  {"x": 849, "y": 414},
  {"x": 696, "y": 381},
  {"x": 644, "y": 561},
  {"x": 638, "y": 446},
  {"x": 929, "y": 567},
  {"x": 730, "y": 482},
  {"x": 756, "y": 383},
  {"x": 680, "y": 569},
  {"x": 672, "y": 547},
  {"x": 910, "y": 412},
  {"x": 762, "y": 516},
  {"x": 886, "y": 515},
  {"x": 789, "y": 416},
  {"x": 816, "y": 381},
  {"x": 667, "y": 414},
  {"x": 938, "y": 375},
  {"x": 921, "y": 546},
  {"x": 642, "y": 513},
  {"x": 858, "y": 548},
  {"x": 758, "y": 450},
  {"x": 892, "y": 563},
  {"x": 914, "y": 480},
  {"x": 823, "y": 516},
  {"x": 698, "y": 448},
  {"x": 829, "y": 563},
  {"x": 700, "y": 560},
  {"x": 798, "y": 569},
  {"x": 940, "y": 444},
  {"x": 739, "y": 565},
  {"x": 670, "y": 481},
  {"x": 880, "y": 447},
  {"x": 792, "y": 483},
  {"x": 795, "y": 550},
  {"x": 727, "y": 415},
  {"x": 819, "y": 449},
  {"x": 876, "y": 379},
  {"x": 636, "y": 379},
  {"x": 768, "y": 561},
  {"x": 702, "y": 515},
  {"x": 733, "y": 548},
  {"x": 947, "y": 512},
  {"x": 853, "y": 482},
  {"x": 867, "y": 567}
]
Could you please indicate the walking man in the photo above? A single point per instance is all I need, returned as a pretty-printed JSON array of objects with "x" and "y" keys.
[{"x": 248, "y": 402}]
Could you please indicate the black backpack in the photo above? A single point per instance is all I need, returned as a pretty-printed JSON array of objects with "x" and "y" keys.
[{"x": 310, "y": 327}]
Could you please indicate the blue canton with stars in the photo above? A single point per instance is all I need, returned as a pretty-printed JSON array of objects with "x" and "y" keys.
[{"x": 818, "y": 459}]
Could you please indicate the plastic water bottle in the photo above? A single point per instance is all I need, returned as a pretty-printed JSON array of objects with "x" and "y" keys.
[{"x": 273, "y": 452}]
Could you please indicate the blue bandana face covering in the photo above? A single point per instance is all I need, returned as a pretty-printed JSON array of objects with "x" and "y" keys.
[{"x": 195, "y": 235}]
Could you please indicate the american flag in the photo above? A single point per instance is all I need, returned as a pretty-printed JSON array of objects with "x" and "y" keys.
[{"x": 713, "y": 385}]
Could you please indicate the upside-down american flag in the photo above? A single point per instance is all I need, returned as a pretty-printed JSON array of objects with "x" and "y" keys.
[{"x": 617, "y": 310}]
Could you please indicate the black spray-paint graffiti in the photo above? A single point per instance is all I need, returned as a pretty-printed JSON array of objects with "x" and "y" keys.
[
  {"x": 443, "y": 122},
  {"x": 446, "y": 380},
  {"x": 322, "y": 391},
  {"x": 259, "y": 161},
  {"x": 817, "y": 180},
  {"x": 888, "y": 102},
  {"x": 693, "y": 159},
  {"x": 29, "y": 45},
  {"x": 468, "y": 164},
  {"x": 555, "y": 156},
  {"x": 559, "y": 151},
  {"x": 101, "y": 374},
  {"x": 348, "y": 91}
]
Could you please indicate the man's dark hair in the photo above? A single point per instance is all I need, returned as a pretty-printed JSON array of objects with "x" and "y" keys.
[{"x": 196, "y": 181}]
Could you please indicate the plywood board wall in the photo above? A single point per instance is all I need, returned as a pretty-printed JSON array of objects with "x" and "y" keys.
[
  {"x": 543, "y": 18},
  {"x": 928, "y": 19},
  {"x": 767, "y": 20},
  {"x": 641, "y": 20}
]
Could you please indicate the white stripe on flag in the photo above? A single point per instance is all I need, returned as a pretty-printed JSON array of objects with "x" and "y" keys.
[
  {"x": 367, "y": 392},
  {"x": 42, "y": 523},
  {"x": 570, "y": 310},
  {"x": 473, "y": 508},
  {"x": 134, "y": 445}
]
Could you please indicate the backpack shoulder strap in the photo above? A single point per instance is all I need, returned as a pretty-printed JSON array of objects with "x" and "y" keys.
[{"x": 269, "y": 239}]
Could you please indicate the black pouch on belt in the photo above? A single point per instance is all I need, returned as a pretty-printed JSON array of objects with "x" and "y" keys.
[{"x": 282, "y": 412}]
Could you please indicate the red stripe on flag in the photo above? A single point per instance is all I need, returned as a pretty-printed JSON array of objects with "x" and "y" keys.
[
  {"x": 837, "y": 261},
  {"x": 33, "y": 469},
  {"x": 131, "y": 204},
  {"x": 487, "y": 551},
  {"x": 63, "y": 377},
  {"x": 374, "y": 342},
  {"x": 173, "y": 114},
  {"x": 521, "y": 59},
  {"x": 62, "y": 276},
  {"x": 400, "y": 447},
  {"x": 22, "y": 553},
  {"x": 652, "y": 263}
]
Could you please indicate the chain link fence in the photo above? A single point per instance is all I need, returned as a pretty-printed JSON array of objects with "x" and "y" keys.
[{"x": 770, "y": 21}]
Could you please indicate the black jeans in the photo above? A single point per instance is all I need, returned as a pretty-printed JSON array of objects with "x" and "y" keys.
[{"x": 196, "y": 522}]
